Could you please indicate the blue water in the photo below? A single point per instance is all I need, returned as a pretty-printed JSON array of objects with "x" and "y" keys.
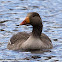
[{"x": 13, "y": 12}]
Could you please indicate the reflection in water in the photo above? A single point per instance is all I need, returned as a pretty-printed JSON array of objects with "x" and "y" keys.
[{"x": 13, "y": 12}]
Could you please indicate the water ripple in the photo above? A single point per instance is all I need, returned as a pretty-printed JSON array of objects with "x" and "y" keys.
[{"x": 12, "y": 13}]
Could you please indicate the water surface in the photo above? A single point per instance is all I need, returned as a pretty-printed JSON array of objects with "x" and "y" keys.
[{"x": 12, "y": 13}]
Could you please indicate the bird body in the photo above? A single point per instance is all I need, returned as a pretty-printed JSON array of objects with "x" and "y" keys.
[{"x": 30, "y": 41}]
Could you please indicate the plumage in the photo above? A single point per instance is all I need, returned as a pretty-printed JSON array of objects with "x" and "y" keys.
[{"x": 30, "y": 41}]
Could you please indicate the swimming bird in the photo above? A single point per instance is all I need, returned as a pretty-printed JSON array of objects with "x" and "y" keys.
[{"x": 36, "y": 40}]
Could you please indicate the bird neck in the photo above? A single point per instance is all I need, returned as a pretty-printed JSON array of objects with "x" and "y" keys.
[{"x": 37, "y": 30}]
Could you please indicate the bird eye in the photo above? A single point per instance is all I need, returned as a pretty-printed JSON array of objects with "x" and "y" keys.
[{"x": 34, "y": 15}]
